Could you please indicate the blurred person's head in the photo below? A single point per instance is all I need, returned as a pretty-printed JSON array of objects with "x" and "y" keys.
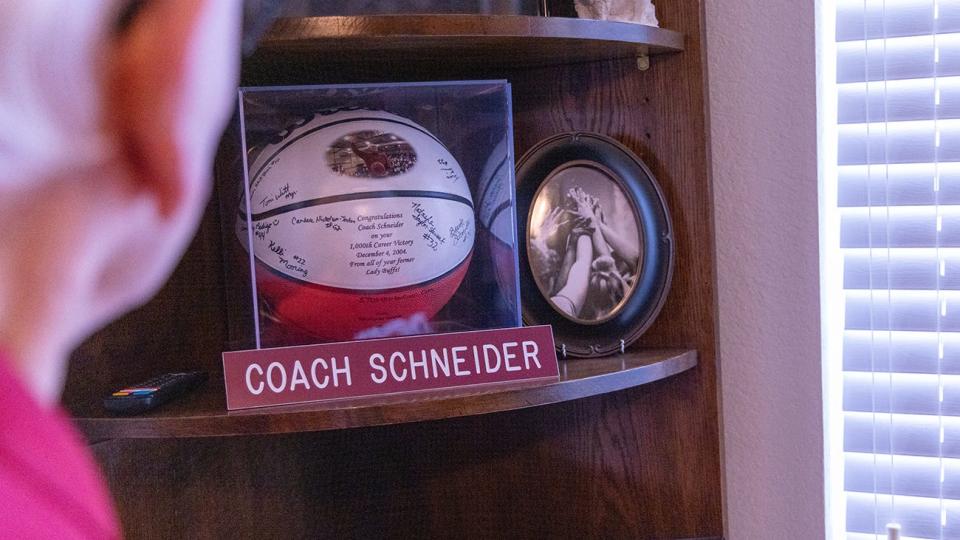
[{"x": 110, "y": 113}]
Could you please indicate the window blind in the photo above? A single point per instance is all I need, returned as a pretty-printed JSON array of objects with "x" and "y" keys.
[{"x": 898, "y": 193}]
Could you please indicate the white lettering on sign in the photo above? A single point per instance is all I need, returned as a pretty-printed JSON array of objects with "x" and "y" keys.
[
  {"x": 398, "y": 375},
  {"x": 395, "y": 366},
  {"x": 508, "y": 356},
  {"x": 276, "y": 388},
  {"x": 414, "y": 364},
  {"x": 299, "y": 377},
  {"x": 313, "y": 373},
  {"x": 487, "y": 349},
  {"x": 276, "y": 376},
  {"x": 387, "y": 366},
  {"x": 530, "y": 351},
  {"x": 458, "y": 360},
  {"x": 376, "y": 364},
  {"x": 426, "y": 364},
  {"x": 440, "y": 363},
  {"x": 258, "y": 390},
  {"x": 345, "y": 371}
]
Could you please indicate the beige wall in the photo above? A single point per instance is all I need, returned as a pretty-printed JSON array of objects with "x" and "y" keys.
[{"x": 762, "y": 99}]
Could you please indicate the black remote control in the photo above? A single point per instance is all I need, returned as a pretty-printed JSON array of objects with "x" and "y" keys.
[{"x": 153, "y": 392}]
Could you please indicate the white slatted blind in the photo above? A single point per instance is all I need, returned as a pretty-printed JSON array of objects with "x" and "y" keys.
[{"x": 898, "y": 193}]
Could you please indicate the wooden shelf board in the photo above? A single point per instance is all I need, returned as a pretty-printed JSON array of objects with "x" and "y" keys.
[
  {"x": 479, "y": 40},
  {"x": 203, "y": 413}
]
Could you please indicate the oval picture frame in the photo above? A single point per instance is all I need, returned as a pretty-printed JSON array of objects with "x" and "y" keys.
[{"x": 596, "y": 243}]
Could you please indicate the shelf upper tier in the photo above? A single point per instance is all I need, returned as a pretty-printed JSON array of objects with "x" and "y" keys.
[
  {"x": 481, "y": 40},
  {"x": 203, "y": 413}
]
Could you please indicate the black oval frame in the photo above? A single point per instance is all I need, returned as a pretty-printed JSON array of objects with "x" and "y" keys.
[{"x": 650, "y": 291}]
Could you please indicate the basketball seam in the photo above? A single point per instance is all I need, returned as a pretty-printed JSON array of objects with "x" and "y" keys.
[
  {"x": 420, "y": 284},
  {"x": 309, "y": 203}
]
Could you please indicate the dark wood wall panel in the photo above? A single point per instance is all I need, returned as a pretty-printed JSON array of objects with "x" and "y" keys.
[{"x": 588, "y": 469}]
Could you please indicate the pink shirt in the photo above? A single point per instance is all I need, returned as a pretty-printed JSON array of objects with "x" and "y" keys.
[{"x": 49, "y": 485}]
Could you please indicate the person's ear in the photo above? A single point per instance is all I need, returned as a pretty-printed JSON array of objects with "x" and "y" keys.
[{"x": 170, "y": 79}]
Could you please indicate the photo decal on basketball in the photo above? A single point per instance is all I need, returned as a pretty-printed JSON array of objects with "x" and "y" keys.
[{"x": 371, "y": 154}]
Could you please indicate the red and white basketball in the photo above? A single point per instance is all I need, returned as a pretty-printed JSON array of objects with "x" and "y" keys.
[{"x": 358, "y": 218}]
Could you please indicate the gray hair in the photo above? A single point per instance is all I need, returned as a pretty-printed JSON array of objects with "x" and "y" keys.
[{"x": 51, "y": 75}]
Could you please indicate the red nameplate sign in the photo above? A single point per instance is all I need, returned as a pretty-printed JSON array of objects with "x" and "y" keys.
[{"x": 353, "y": 369}]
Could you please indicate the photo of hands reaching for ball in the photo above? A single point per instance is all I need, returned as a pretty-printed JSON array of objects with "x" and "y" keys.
[{"x": 584, "y": 243}]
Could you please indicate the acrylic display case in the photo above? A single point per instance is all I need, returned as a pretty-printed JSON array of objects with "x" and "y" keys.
[{"x": 367, "y": 211}]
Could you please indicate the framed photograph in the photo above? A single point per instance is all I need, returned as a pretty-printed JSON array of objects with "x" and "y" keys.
[
  {"x": 370, "y": 211},
  {"x": 596, "y": 255}
]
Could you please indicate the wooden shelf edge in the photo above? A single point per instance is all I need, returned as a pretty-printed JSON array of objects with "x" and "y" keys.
[
  {"x": 303, "y": 31},
  {"x": 207, "y": 417}
]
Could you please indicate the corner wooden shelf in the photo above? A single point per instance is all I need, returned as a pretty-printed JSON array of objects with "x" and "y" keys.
[
  {"x": 204, "y": 413},
  {"x": 467, "y": 40},
  {"x": 627, "y": 461}
]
